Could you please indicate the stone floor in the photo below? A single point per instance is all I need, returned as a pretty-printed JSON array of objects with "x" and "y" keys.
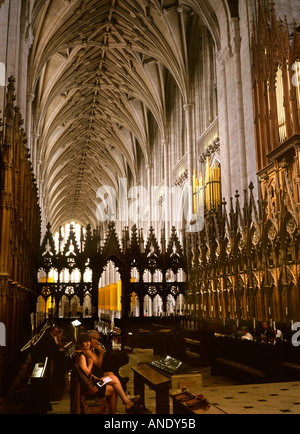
[{"x": 225, "y": 394}]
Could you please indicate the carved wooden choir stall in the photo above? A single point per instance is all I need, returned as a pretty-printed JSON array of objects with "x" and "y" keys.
[
  {"x": 245, "y": 262},
  {"x": 20, "y": 226}
]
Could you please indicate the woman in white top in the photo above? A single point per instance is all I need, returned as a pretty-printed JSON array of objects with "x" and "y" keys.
[{"x": 246, "y": 335}]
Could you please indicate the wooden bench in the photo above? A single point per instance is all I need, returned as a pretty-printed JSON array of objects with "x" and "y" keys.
[
  {"x": 79, "y": 404},
  {"x": 257, "y": 361},
  {"x": 193, "y": 345},
  {"x": 246, "y": 360},
  {"x": 239, "y": 370},
  {"x": 291, "y": 361},
  {"x": 291, "y": 371},
  {"x": 198, "y": 341},
  {"x": 144, "y": 374}
]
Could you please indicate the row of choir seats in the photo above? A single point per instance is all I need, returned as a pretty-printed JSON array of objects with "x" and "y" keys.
[
  {"x": 170, "y": 335},
  {"x": 252, "y": 361},
  {"x": 291, "y": 361}
]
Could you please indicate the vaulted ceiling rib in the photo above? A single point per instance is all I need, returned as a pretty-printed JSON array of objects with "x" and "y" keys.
[{"x": 99, "y": 70}]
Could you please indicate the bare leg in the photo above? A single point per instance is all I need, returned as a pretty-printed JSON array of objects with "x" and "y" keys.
[
  {"x": 115, "y": 383},
  {"x": 112, "y": 399}
]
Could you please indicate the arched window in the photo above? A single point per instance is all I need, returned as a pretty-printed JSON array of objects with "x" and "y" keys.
[{"x": 207, "y": 189}]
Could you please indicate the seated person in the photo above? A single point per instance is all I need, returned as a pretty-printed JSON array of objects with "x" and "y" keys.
[
  {"x": 59, "y": 338},
  {"x": 104, "y": 361},
  {"x": 246, "y": 335},
  {"x": 235, "y": 332},
  {"x": 85, "y": 361},
  {"x": 267, "y": 333},
  {"x": 279, "y": 335},
  {"x": 47, "y": 346}
]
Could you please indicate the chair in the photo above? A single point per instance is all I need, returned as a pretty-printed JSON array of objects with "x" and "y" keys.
[
  {"x": 94, "y": 406},
  {"x": 79, "y": 404}
]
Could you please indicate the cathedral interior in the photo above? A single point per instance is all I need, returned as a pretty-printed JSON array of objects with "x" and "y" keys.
[{"x": 149, "y": 190}]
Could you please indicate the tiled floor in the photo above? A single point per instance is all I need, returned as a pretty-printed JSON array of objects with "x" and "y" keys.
[
  {"x": 230, "y": 397},
  {"x": 273, "y": 398}
]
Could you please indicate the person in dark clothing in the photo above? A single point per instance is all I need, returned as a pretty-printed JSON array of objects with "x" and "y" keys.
[
  {"x": 88, "y": 361},
  {"x": 48, "y": 346}
]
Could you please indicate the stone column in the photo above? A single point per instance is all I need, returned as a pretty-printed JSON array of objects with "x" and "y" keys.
[
  {"x": 188, "y": 108},
  {"x": 34, "y": 161},
  {"x": 223, "y": 127},
  {"x": 41, "y": 197},
  {"x": 26, "y": 39},
  {"x": 166, "y": 204},
  {"x": 236, "y": 47},
  {"x": 149, "y": 187},
  {"x": 30, "y": 98}
]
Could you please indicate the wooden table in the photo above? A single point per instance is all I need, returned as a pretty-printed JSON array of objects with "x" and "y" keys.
[{"x": 144, "y": 374}]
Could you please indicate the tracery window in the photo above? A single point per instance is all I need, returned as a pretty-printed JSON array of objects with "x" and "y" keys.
[
  {"x": 63, "y": 276},
  {"x": 74, "y": 276},
  {"x": 207, "y": 192}
]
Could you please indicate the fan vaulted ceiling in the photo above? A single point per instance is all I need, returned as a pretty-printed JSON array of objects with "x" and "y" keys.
[{"x": 98, "y": 70}]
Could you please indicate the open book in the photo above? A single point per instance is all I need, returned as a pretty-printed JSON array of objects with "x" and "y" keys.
[{"x": 104, "y": 381}]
